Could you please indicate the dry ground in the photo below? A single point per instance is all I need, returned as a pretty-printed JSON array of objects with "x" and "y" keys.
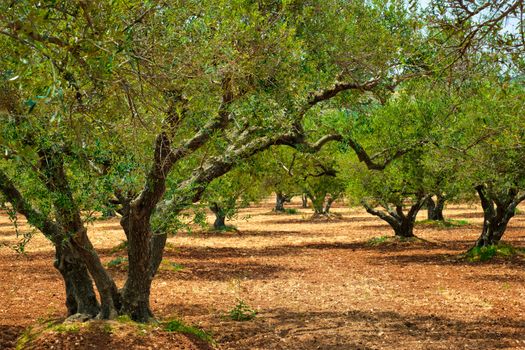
[{"x": 316, "y": 285}]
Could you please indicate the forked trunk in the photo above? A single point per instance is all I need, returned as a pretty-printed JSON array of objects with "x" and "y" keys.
[
  {"x": 304, "y": 199},
  {"x": 401, "y": 223},
  {"x": 498, "y": 210},
  {"x": 80, "y": 296},
  {"x": 280, "y": 199},
  {"x": 435, "y": 209},
  {"x": 328, "y": 205},
  {"x": 109, "y": 295}
]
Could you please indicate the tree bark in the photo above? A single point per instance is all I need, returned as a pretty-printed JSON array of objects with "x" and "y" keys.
[
  {"x": 280, "y": 199},
  {"x": 435, "y": 208},
  {"x": 401, "y": 223},
  {"x": 80, "y": 296},
  {"x": 304, "y": 199},
  {"x": 220, "y": 218},
  {"x": 328, "y": 205},
  {"x": 68, "y": 214},
  {"x": 136, "y": 291},
  {"x": 498, "y": 210}
]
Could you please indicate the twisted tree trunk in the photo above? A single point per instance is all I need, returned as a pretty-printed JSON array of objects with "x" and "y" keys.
[
  {"x": 401, "y": 223},
  {"x": 80, "y": 296},
  {"x": 280, "y": 199},
  {"x": 435, "y": 208},
  {"x": 498, "y": 210}
]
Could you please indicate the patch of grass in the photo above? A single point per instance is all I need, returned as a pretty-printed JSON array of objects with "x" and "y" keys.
[
  {"x": 449, "y": 223},
  {"x": 124, "y": 319},
  {"x": 121, "y": 247},
  {"x": 171, "y": 266},
  {"x": 106, "y": 328},
  {"x": 378, "y": 240},
  {"x": 180, "y": 327},
  {"x": 66, "y": 328},
  {"x": 242, "y": 312},
  {"x": 481, "y": 254},
  {"x": 117, "y": 261},
  {"x": 291, "y": 211},
  {"x": 387, "y": 240},
  {"x": 226, "y": 228},
  {"x": 25, "y": 338}
]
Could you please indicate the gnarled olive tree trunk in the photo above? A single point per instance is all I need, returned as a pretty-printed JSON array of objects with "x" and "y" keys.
[
  {"x": 401, "y": 223},
  {"x": 435, "y": 208},
  {"x": 80, "y": 296},
  {"x": 280, "y": 200},
  {"x": 498, "y": 209}
]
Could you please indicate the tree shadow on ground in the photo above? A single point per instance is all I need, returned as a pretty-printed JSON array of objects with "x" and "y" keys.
[
  {"x": 215, "y": 253},
  {"x": 449, "y": 259},
  {"x": 466, "y": 215},
  {"x": 357, "y": 329},
  {"x": 176, "y": 310},
  {"x": 221, "y": 271},
  {"x": 240, "y": 234},
  {"x": 321, "y": 221},
  {"x": 9, "y": 335}
]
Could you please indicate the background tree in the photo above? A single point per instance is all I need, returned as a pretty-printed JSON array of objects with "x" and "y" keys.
[
  {"x": 227, "y": 194},
  {"x": 493, "y": 162}
]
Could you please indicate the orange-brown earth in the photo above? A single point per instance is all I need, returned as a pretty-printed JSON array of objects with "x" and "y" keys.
[{"x": 315, "y": 284}]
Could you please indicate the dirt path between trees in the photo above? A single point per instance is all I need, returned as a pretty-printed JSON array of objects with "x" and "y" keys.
[{"x": 315, "y": 285}]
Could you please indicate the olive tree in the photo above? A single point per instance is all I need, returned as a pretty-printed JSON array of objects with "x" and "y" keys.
[{"x": 179, "y": 94}]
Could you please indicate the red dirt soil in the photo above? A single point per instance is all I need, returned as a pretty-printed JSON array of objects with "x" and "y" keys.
[{"x": 315, "y": 284}]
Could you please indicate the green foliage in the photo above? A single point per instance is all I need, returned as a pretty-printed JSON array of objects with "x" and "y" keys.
[
  {"x": 180, "y": 327},
  {"x": 242, "y": 312},
  {"x": 291, "y": 211}
]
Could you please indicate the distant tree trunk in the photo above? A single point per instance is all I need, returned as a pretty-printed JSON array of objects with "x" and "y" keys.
[
  {"x": 304, "y": 199},
  {"x": 318, "y": 204},
  {"x": 220, "y": 218},
  {"x": 435, "y": 209},
  {"x": 280, "y": 199},
  {"x": 401, "y": 223},
  {"x": 328, "y": 205},
  {"x": 497, "y": 212}
]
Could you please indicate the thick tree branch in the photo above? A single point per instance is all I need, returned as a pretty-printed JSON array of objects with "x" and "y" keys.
[{"x": 37, "y": 219}]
